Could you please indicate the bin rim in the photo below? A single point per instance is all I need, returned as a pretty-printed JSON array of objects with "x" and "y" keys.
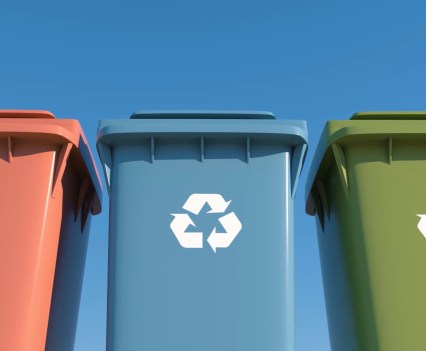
[
  {"x": 41, "y": 114},
  {"x": 115, "y": 131},
  {"x": 378, "y": 125},
  {"x": 110, "y": 130},
  {"x": 18, "y": 123},
  {"x": 268, "y": 127},
  {"x": 201, "y": 114},
  {"x": 391, "y": 115}
]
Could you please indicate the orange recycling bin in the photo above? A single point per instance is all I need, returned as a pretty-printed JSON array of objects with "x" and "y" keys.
[{"x": 49, "y": 188}]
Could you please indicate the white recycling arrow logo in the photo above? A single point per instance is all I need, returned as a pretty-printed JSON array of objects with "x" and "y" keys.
[
  {"x": 196, "y": 202},
  {"x": 188, "y": 240},
  {"x": 232, "y": 226},
  {"x": 422, "y": 224},
  {"x": 194, "y": 240}
]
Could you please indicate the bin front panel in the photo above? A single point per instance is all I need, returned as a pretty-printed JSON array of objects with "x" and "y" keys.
[
  {"x": 390, "y": 198},
  {"x": 163, "y": 296},
  {"x": 30, "y": 222}
]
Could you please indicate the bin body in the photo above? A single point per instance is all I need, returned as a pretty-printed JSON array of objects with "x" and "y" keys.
[
  {"x": 215, "y": 177},
  {"x": 366, "y": 188},
  {"x": 43, "y": 162}
]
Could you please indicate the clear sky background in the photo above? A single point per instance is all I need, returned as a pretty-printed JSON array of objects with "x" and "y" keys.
[{"x": 312, "y": 60}]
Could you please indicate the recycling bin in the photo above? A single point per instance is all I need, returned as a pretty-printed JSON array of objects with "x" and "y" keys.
[
  {"x": 49, "y": 190},
  {"x": 367, "y": 189},
  {"x": 201, "y": 230}
]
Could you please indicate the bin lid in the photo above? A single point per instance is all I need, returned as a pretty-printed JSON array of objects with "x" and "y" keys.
[
  {"x": 393, "y": 115},
  {"x": 44, "y": 125},
  {"x": 259, "y": 126},
  {"x": 362, "y": 126},
  {"x": 202, "y": 123},
  {"x": 26, "y": 114},
  {"x": 202, "y": 115}
]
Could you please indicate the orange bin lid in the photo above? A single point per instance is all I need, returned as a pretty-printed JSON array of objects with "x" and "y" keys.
[
  {"x": 26, "y": 114},
  {"x": 44, "y": 125}
]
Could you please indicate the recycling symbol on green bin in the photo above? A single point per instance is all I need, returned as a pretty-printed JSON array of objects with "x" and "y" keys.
[
  {"x": 422, "y": 224},
  {"x": 194, "y": 240}
]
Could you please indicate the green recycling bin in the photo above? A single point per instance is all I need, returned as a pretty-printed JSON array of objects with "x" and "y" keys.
[{"x": 367, "y": 189}]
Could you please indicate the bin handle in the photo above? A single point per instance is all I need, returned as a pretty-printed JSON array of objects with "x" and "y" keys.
[
  {"x": 87, "y": 205},
  {"x": 81, "y": 195},
  {"x": 86, "y": 196},
  {"x": 298, "y": 156},
  {"x": 318, "y": 196},
  {"x": 340, "y": 159},
  {"x": 61, "y": 164},
  {"x": 323, "y": 196},
  {"x": 105, "y": 155},
  {"x": 9, "y": 149},
  {"x": 318, "y": 206}
]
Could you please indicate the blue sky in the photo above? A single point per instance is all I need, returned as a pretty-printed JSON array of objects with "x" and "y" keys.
[{"x": 307, "y": 60}]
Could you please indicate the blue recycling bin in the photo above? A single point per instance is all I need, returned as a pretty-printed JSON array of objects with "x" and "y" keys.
[{"x": 201, "y": 230}]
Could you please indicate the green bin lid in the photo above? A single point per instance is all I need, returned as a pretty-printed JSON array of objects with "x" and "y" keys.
[
  {"x": 362, "y": 127},
  {"x": 394, "y": 115}
]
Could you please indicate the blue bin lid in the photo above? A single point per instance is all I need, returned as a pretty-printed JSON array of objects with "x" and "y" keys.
[
  {"x": 170, "y": 124},
  {"x": 202, "y": 123},
  {"x": 202, "y": 115}
]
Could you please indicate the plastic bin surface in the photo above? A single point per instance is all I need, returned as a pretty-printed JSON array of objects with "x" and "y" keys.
[
  {"x": 366, "y": 188},
  {"x": 50, "y": 188},
  {"x": 201, "y": 230}
]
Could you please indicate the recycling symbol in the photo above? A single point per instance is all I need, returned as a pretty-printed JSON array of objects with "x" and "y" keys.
[
  {"x": 422, "y": 224},
  {"x": 194, "y": 240}
]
